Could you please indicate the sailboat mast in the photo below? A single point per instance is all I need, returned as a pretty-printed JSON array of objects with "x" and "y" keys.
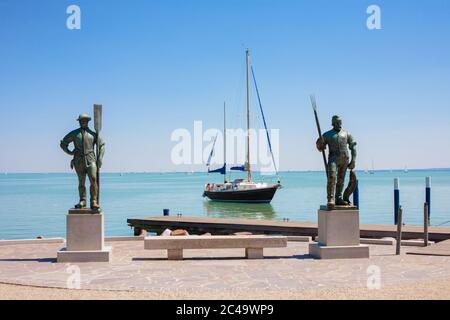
[
  {"x": 249, "y": 175},
  {"x": 224, "y": 143}
]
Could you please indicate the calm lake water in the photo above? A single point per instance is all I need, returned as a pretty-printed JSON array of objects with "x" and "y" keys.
[{"x": 36, "y": 204}]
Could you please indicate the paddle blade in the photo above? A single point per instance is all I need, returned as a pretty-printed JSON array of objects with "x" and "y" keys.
[
  {"x": 313, "y": 102},
  {"x": 98, "y": 117}
]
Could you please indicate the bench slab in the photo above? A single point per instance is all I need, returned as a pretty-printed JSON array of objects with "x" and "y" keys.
[
  {"x": 214, "y": 242},
  {"x": 253, "y": 244}
]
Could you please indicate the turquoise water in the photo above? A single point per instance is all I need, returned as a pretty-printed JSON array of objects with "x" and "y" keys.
[{"x": 36, "y": 204}]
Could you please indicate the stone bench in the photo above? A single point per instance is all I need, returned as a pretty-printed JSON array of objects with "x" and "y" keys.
[{"x": 253, "y": 245}]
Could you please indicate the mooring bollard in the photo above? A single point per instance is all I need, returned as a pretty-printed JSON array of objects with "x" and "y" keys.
[
  {"x": 399, "y": 230},
  {"x": 396, "y": 199},
  {"x": 356, "y": 195},
  {"x": 425, "y": 224},
  {"x": 428, "y": 196},
  {"x": 166, "y": 212}
]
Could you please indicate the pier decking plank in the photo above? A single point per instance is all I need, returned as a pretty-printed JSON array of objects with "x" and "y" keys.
[{"x": 292, "y": 228}]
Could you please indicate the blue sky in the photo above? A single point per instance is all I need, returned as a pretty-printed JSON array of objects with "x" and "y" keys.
[{"x": 160, "y": 65}]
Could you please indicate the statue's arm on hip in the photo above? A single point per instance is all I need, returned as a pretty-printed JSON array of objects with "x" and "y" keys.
[{"x": 65, "y": 144}]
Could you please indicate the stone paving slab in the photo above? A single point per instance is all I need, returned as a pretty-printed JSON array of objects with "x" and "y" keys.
[
  {"x": 438, "y": 249},
  {"x": 291, "y": 268}
]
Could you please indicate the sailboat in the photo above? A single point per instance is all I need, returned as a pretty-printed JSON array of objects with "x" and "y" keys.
[
  {"x": 241, "y": 190},
  {"x": 373, "y": 169}
]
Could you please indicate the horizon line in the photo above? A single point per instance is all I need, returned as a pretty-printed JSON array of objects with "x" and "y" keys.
[{"x": 174, "y": 171}]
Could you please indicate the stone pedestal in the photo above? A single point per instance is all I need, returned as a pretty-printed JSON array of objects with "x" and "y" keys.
[
  {"x": 338, "y": 235},
  {"x": 85, "y": 238}
]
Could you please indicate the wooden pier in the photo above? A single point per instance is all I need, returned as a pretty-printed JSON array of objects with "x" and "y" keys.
[{"x": 220, "y": 226}]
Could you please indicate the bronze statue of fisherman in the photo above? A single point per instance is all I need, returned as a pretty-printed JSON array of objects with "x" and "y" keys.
[
  {"x": 85, "y": 160},
  {"x": 339, "y": 142}
]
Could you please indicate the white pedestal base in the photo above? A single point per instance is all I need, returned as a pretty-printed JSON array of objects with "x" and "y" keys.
[
  {"x": 338, "y": 227},
  {"x": 85, "y": 241},
  {"x": 339, "y": 236},
  {"x": 65, "y": 256},
  {"x": 338, "y": 252}
]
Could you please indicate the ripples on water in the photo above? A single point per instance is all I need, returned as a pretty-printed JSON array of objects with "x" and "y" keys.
[{"x": 36, "y": 204}]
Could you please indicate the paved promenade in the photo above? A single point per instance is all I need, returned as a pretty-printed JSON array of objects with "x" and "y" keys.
[{"x": 222, "y": 273}]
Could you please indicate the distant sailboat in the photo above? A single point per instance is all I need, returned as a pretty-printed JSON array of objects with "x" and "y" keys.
[
  {"x": 406, "y": 169},
  {"x": 373, "y": 169},
  {"x": 241, "y": 190}
]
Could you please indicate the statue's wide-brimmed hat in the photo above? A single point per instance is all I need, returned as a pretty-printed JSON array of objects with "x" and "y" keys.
[{"x": 83, "y": 116}]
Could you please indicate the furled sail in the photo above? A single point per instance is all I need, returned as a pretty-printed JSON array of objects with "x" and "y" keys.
[
  {"x": 212, "y": 151},
  {"x": 222, "y": 170}
]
